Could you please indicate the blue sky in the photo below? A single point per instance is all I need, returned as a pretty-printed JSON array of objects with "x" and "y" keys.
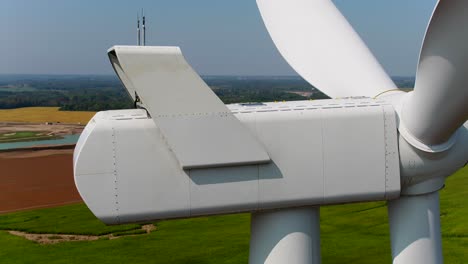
[{"x": 218, "y": 37}]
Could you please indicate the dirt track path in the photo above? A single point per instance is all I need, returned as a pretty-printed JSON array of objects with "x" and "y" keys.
[
  {"x": 54, "y": 129},
  {"x": 59, "y": 238}
]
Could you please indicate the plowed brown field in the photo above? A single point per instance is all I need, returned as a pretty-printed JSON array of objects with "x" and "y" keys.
[{"x": 36, "y": 179}]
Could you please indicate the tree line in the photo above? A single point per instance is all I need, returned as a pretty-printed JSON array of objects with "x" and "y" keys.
[{"x": 97, "y": 93}]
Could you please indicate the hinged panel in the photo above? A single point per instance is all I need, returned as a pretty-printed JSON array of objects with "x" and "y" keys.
[{"x": 195, "y": 123}]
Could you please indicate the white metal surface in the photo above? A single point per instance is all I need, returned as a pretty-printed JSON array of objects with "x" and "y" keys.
[
  {"x": 223, "y": 190},
  {"x": 130, "y": 150},
  {"x": 438, "y": 105},
  {"x": 311, "y": 155},
  {"x": 125, "y": 171},
  {"x": 415, "y": 229},
  {"x": 164, "y": 81},
  {"x": 285, "y": 236},
  {"x": 319, "y": 43},
  {"x": 294, "y": 141},
  {"x": 211, "y": 140},
  {"x": 195, "y": 123},
  {"x": 423, "y": 172},
  {"x": 365, "y": 131}
]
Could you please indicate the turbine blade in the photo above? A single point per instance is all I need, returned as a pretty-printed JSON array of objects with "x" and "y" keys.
[
  {"x": 439, "y": 104},
  {"x": 319, "y": 44}
]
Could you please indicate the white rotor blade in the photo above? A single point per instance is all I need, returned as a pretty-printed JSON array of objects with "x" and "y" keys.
[
  {"x": 320, "y": 44},
  {"x": 439, "y": 104}
]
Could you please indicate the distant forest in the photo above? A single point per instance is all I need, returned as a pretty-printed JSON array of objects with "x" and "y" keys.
[{"x": 97, "y": 93}]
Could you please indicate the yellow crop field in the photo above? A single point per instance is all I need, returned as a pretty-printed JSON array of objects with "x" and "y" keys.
[{"x": 45, "y": 114}]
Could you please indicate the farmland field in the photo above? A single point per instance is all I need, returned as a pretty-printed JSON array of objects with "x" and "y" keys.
[
  {"x": 45, "y": 114},
  {"x": 355, "y": 233}
]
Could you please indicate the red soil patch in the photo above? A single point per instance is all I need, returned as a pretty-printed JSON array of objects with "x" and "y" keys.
[{"x": 36, "y": 179}]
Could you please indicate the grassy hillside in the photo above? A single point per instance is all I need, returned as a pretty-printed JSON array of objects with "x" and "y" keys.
[
  {"x": 44, "y": 114},
  {"x": 356, "y": 233}
]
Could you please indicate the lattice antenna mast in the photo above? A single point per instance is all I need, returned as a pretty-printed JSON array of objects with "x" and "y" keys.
[
  {"x": 144, "y": 28},
  {"x": 138, "y": 29}
]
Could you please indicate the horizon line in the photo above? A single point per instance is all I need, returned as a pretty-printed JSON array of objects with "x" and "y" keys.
[{"x": 202, "y": 75}]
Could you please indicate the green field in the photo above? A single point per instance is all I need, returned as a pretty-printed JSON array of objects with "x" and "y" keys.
[
  {"x": 25, "y": 136},
  {"x": 356, "y": 233}
]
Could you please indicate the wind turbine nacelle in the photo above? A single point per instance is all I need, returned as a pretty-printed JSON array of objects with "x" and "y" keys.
[{"x": 337, "y": 151}]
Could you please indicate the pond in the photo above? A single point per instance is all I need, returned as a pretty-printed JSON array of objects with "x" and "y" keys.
[{"x": 67, "y": 139}]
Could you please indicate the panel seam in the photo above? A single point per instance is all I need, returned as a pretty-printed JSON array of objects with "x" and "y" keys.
[
  {"x": 322, "y": 121},
  {"x": 116, "y": 190},
  {"x": 386, "y": 150}
]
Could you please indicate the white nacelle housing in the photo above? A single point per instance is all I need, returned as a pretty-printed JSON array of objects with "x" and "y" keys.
[{"x": 126, "y": 172}]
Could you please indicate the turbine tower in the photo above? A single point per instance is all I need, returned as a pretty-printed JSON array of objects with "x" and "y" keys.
[{"x": 183, "y": 153}]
